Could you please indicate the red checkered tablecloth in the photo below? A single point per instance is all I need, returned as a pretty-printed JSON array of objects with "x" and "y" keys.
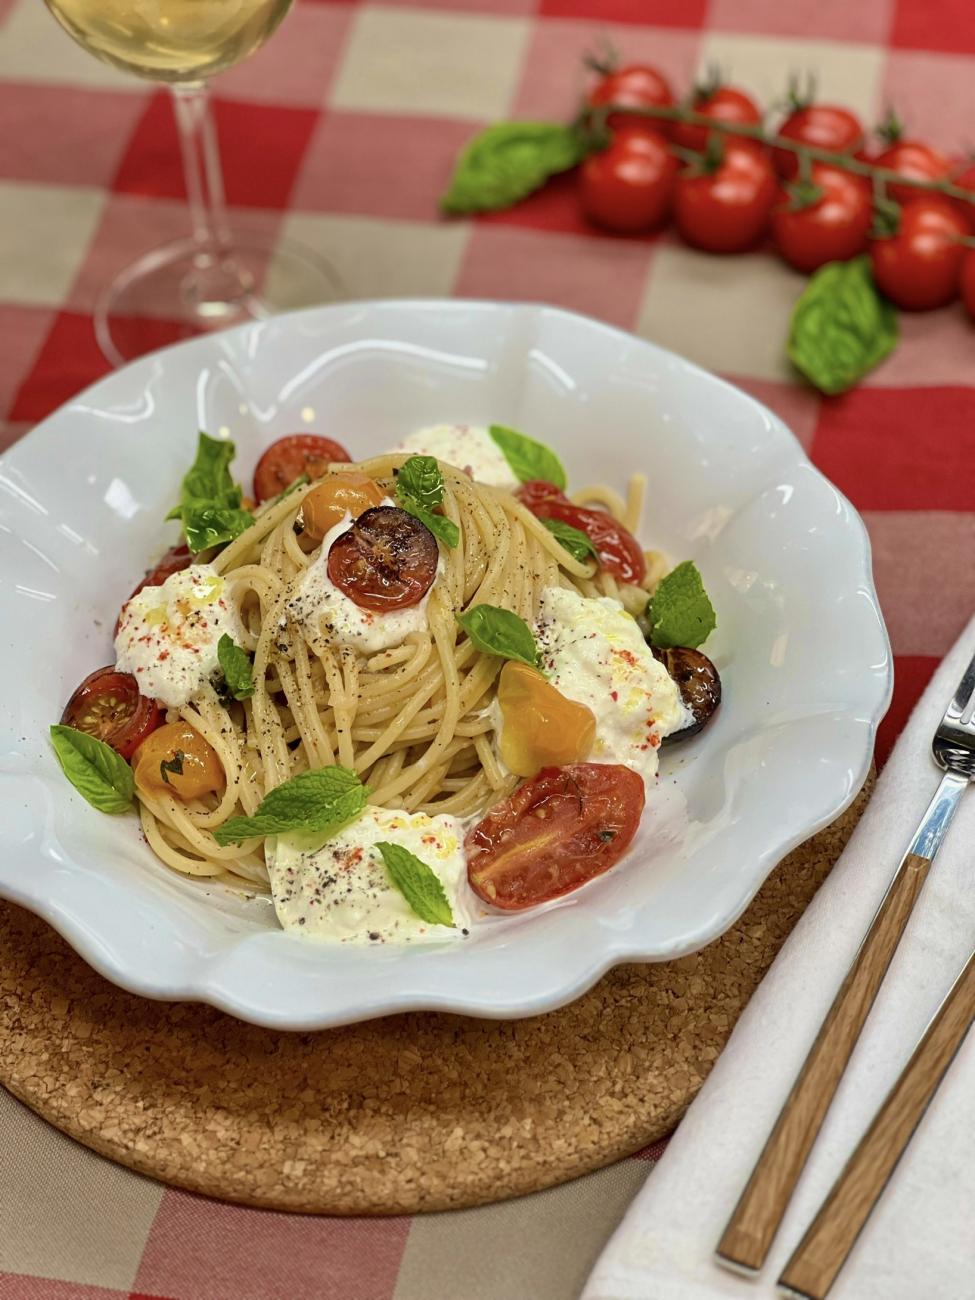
[{"x": 341, "y": 132}]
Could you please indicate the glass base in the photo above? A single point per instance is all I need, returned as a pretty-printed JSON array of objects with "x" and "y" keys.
[{"x": 179, "y": 291}]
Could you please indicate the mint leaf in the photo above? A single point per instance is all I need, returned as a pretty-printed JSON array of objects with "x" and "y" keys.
[
  {"x": 576, "y": 542},
  {"x": 508, "y": 161},
  {"x": 420, "y": 490},
  {"x": 322, "y": 801},
  {"x": 679, "y": 611},
  {"x": 527, "y": 458},
  {"x": 496, "y": 631},
  {"x": 209, "y": 504},
  {"x": 236, "y": 665},
  {"x": 841, "y": 326},
  {"x": 419, "y": 884},
  {"x": 99, "y": 775}
]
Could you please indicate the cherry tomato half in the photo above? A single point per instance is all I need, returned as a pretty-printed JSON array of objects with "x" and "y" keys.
[
  {"x": 914, "y": 159},
  {"x": 177, "y": 760},
  {"x": 289, "y": 458},
  {"x": 559, "y": 830},
  {"x": 175, "y": 560},
  {"x": 636, "y": 86},
  {"x": 833, "y": 228},
  {"x": 721, "y": 104},
  {"x": 108, "y": 706},
  {"x": 619, "y": 551},
  {"x": 386, "y": 560},
  {"x": 968, "y": 282},
  {"x": 726, "y": 210},
  {"x": 336, "y": 496},
  {"x": 823, "y": 126},
  {"x": 920, "y": 267},
  {"x": 629, "y": 186}
]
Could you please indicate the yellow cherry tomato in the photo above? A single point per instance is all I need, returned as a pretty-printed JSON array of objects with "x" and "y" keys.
[
  {"x": 541, "y": 727},
  {"x": 326, "y": 504},
  {"x": 175, "y": 759}
]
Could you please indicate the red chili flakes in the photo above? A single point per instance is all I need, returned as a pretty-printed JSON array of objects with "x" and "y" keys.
[{"x": 614, "y": 696}]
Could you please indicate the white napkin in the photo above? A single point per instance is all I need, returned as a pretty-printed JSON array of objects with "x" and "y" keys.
[{"x": 919, "y": 1243}]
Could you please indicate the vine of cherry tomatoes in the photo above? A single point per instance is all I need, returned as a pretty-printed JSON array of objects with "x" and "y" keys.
[{"x": 727, "y": 193}]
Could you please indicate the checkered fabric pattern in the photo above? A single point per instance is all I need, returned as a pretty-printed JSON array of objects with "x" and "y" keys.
[{"x": 341, "y": 132}]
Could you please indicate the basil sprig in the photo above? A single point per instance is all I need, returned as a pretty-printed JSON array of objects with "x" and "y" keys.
[
  {"x": 576, "y": 542},
  {"x": 527, "y": 458},
  {"x": 419, "y": 884},
  {"x": 496, "y": 631},
  {"x": 508, "y": 161},
  {"x": 209, "y": 504},
  {"x": 420, "y": 491},
  {"x": 236, "y": 665},
  {"x": 841, "y": 326},
  {"x": 99, "y": 775},
  {"x": 679, "y": 611},
  {"x": 322, "y": 801}
]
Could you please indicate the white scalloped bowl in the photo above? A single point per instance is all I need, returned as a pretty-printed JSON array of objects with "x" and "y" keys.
[{"x": 801, "y": 644}]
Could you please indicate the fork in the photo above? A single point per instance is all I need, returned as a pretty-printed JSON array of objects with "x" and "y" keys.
[{"x": 755, "y": 1220}]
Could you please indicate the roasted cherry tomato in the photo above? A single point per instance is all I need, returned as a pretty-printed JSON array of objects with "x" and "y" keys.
[
  {"x": 542, "y": 728},
  {"x": 559, "y": 830},
  {"x": 619, "y": 551},
  {"x": 721, "y": 104},
  {"x": 831, "y": 229},
  {"x": 914, "y": 159},
  {"x": 920, "y": 267},
  {"x": 823, "y": 126},
  {"x": 636, "y": 86},
  {"x": 336, "y": 496},
  {"x": 177, "y": 760},
  {"x": 629, "y": 186},
  {"x": 726, "y": 210},
  {"x": 289, "y": 458},
  {"x": 968, "y": 282},
  {"x": 108, "y": 706},
  {"x": 386, "y": 560},
  {"x": 698, "y": 682},
  {"x": 175, "y": 560}
]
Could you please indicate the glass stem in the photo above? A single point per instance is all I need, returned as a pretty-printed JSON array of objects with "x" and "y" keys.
[{"x": 217, "y": 287}]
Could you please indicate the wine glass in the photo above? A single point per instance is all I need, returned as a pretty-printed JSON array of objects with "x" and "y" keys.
[{"x": 205, "y": 281}]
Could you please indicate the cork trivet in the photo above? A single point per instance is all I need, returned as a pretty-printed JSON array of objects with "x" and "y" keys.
[{"x": 410, "y": 1113}]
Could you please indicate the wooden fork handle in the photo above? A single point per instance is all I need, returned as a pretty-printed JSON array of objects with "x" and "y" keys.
[
  {"x": 756, "y": 1218},
  {"x": 823, "y": 1250}
]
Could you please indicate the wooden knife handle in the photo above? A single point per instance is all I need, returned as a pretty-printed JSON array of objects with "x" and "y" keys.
[
  {"x": 823, "y": 1250},
  {"x": 756, "y": 1218}
]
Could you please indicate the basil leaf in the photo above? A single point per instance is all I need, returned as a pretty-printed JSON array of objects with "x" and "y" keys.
[
  {"x": 300, "y": 481},
  {"x": 679, "y": 611},
  {"x": 236, "y": 665},
  {"x": 419, "y": 490},
  {"x": 576, "y": 542},
  {"x": 841, "y": 326},
  {"x": 174, "y": 765},
  {"x": 421, "y": 481},
  {"x": 322, "y": 801},
  {"x": 209, "y": 504},
  {"x": 99, "y": 775},
  {"x": 496, "y": 631},
  {"x": 419, "y": 884},
  {"x": 508, "y": 161},
  {"x": 527, "y": 458}
]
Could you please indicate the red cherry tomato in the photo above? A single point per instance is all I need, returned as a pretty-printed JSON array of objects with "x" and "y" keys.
[
  {"x": 176, "y": 559},
  {"x": 108, "y": 706},
  {"x": 824, "y": 127},
  {"x": 722, "y": 104},
  {"x": 629, "y": 186},
  {"x": 726, "y": 210},
  {"x": 832, "y": 229},
  {"x": 635, "y": 86},
  {"x": 289, "y": 458},
  {"x": 920, "y": 267},
  {"x": 559, "y": 830},
  {"x": 967, "y": 284},
  {"x": 386, "y": 560},
  {"x": 618, "y": 550},
  {"x": 914, "y": 159}
]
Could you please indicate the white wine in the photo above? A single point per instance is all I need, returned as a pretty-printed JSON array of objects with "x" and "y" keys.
[{"x": 170, "y": 40}]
